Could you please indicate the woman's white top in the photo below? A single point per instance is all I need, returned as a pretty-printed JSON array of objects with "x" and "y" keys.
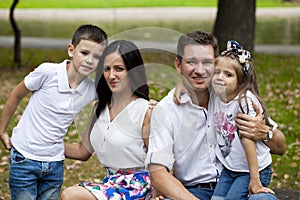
[{"x": 118, "y": 143}]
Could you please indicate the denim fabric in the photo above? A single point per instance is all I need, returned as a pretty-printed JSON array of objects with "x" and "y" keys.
[
  {"x": 30, "y": 180},
  {"x": 263, "y": 196},
  {"x": 234, "y": 185},
  {"x": 202, "y": 193}
]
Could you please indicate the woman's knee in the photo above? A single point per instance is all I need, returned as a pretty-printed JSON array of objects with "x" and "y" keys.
[
  {"x": 64, "y": 194},
  {"x": 76, "y": 192},
  {"x": 69, "y": 193}
]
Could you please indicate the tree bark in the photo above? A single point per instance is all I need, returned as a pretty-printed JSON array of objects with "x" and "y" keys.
[
  {"x": 17, "y": 33},
  {"x": 236, "y": 21}
]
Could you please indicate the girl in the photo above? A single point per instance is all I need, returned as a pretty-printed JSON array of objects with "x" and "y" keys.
[
  {"x": 247, "y": 164},
  {"x": 120, "y": 130}
]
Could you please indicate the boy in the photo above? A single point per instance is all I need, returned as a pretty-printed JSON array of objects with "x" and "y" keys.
[{"x": 59, "y": 92}]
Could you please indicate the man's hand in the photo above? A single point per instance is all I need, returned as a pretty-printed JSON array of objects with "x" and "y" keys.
[
  {"x": 180, "y": 90},
  {"x": 152, "y": 103},
  {"x": 6, "y": 140},
  {"x": 250, "y": 127},
  {"x": 255, "y": 129}
]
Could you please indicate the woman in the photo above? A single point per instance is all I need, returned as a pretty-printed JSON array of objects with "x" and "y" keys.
[{"x": 120, "y": 129}]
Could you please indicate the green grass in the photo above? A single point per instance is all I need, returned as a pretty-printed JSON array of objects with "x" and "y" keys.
[
  {"x": 278, "y": 78},
  {"x": 128, "y": 3}
]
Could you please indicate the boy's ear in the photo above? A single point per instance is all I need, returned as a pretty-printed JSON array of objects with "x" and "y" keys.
[{"x": 71, "y": 50}]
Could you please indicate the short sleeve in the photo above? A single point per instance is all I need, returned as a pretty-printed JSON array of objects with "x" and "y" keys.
[
  {"x": 161, "y": 141},
  {"x": 35, "y": 79}
]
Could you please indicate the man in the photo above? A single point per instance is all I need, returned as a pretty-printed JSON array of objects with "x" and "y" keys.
[{"x": 182, "y": 138}]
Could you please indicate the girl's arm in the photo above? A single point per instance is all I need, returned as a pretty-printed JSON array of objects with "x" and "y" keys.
[
  {"x": 254, "y": 129},
  {"x": 9, "y": 109},
  {"x": 255, "y": 185}
]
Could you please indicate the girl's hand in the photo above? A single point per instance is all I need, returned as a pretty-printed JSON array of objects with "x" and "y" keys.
[
  {"x": 265, "y": 190},
  {"x": 256, "y": 187}
]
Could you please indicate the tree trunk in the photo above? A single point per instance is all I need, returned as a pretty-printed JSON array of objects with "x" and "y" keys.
[
  {"x": 235, "y": 21},
  {"x": 17, "y": 43}
]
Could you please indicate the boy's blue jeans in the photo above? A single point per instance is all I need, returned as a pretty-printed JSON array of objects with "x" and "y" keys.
[
  {"x": 30, "y": 179},
  {"x": 234, "y": 185}
]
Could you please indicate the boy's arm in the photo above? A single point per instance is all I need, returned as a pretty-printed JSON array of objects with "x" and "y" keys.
[
  {"x": 167, "y": 185},
  {"x": 254, "y": 128},
  {"x": 9, "y": 109}
]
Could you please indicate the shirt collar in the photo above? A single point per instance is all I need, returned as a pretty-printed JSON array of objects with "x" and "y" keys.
[
  {"x": 63, "y": 81},
  {"x": 62, "y": 77}
]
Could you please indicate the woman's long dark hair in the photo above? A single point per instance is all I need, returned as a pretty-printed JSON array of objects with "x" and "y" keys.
[{"x": 136, "y": 72}]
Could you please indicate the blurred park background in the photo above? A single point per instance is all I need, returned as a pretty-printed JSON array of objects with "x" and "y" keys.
[{"x": 277, "y": 28}]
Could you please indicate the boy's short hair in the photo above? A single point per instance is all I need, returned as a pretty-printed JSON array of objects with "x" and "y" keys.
[
  {"x": 196, "y": 37},
  {"x": 89, "y": 32}
]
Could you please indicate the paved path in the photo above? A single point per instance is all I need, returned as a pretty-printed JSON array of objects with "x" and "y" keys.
[
  {"x": 135, "y": 14},
  {"x": 161, "y": 13},
  {"x": 51, "y": 43}
]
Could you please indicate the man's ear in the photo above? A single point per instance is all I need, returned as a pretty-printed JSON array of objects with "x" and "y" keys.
[
  {"x": 71, "y": 50},
  {"x": 178, "y": 65}
]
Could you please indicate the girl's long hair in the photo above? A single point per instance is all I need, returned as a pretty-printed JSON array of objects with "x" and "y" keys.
[
  {"x": 135, "y": 68},
  {"x": 246, "y": 82}
]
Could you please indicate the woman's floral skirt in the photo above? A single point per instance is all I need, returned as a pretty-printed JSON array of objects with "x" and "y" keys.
[{"x": 121, "y": 186}]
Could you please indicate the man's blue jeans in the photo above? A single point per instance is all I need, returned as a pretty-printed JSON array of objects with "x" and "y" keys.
[
  {"x": 234, "y": 185},
  {"x": 30, "y": 179}
]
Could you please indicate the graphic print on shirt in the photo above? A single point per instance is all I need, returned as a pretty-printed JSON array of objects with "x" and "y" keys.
[{"x": 225, "y": 129}]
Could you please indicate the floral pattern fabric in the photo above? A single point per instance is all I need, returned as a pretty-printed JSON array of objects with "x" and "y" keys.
[
  {"x": 226, "y": 129},
  {"x": 122, "y": 185}
]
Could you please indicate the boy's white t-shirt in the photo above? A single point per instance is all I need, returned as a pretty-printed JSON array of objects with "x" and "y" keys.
[{"x": 51, "y": 109}]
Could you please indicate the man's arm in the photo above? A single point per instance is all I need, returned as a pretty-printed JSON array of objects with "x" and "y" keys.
[
  {"x": 167, "y": 185},
  {"x": 8, "y": 111},
  {"x": 254, "y": 128},
  {"x": 277, "y": 143},
  {"x": 180, "y": 89}
]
